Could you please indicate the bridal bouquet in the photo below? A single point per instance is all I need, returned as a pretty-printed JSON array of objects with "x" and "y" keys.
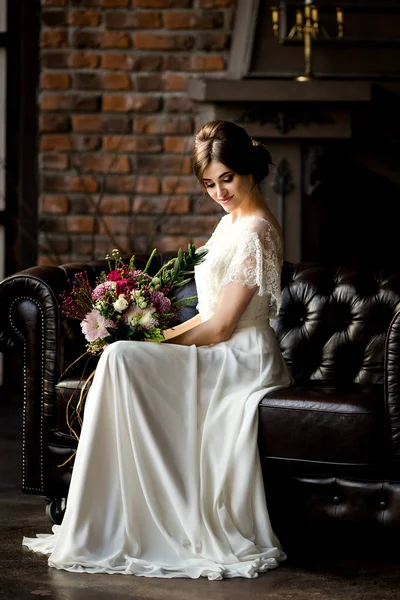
[
  {"x": 127, "y": 303},
  {"x": 124, "y": 304}
]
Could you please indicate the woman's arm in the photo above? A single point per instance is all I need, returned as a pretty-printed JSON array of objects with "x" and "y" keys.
[
  {"x": 233, "y": 300},
  {"x": 182, "y": 327}
]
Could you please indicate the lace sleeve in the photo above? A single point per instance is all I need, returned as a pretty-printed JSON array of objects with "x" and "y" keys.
[{"x": 257, "y": 261}]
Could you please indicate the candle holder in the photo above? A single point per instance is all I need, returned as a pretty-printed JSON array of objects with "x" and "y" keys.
[{"x": 306, "y": 28}]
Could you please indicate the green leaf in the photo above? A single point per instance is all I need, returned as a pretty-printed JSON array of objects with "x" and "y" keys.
[
  {"x": 149, "y": 261},
  {"x": 164, "y": 268},
  {"x": 132, "y": 262},
  {"x": 175, "y": 270},
  {"x": 183, "y": 282},
  {"x": 112, "y": 330},
  {"x": 201, "y": 252},
  {"x": 182, "y": 266},
  {"x": 184, "y": 301}
]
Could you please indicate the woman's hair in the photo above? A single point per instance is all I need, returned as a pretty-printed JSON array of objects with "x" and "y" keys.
[{"x": 231, "y": 145}]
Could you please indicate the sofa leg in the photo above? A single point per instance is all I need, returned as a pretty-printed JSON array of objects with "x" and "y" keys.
[{"x": 55, "y": 509}]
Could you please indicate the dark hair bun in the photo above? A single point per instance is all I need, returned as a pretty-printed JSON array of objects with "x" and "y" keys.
[
  {"x": 261, "y": 161},
  {"x": 231, "y": 145}
]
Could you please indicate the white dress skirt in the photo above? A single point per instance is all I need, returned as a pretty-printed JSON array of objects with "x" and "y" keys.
[{"x": 167, "y": 479}]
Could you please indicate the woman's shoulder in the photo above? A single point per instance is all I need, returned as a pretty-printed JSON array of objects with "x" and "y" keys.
[{"x": 261, "y": 224}]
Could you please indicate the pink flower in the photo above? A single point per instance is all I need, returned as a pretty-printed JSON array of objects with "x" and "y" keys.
[
  {"x": 161, "y": 303},
  {"x": 94, "y": 326},
  {"x": 101, "y": 289}
]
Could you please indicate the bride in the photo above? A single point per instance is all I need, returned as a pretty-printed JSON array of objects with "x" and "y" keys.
[{"x": 167, "y": 479}]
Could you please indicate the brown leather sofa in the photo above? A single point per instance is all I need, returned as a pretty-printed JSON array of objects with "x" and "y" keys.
[{"x": 330, "y": 444}]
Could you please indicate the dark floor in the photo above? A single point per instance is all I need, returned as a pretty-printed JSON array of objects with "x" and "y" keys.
[{"x": 24, "y": 574}]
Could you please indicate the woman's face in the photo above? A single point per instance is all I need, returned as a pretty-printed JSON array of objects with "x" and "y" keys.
[{"x": 225, "y": 186}]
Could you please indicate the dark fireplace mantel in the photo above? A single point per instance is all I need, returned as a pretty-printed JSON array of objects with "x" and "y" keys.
[
  {"x": 278, "y": 90},
  {"x": 273, "y": 108}
]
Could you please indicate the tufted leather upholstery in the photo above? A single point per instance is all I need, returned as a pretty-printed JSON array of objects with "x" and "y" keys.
[
  {"x": 330, "y": 444},
  {"x": 392, "y": 383},
  {"x": 334, "y": 322}
]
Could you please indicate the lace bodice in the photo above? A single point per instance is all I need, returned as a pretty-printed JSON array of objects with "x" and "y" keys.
[{"x": 248, "y": 252}]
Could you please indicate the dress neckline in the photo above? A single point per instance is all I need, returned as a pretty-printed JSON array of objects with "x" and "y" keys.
[
  {"x": 249, "y": 217},
  {"x": 243, "y": 220}
]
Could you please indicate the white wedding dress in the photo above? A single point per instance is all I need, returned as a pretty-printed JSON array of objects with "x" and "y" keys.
[{"x": 167, "y": 479}]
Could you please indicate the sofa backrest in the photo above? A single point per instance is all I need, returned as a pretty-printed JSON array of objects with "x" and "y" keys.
[
  {"x": 333, "y": 321},
  {"x": 332, "y": 325}
]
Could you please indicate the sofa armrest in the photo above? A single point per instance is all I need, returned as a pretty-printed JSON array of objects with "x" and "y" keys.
[
  {"x": 30, "y": 325},
  {"x": 392, "y": 383}
]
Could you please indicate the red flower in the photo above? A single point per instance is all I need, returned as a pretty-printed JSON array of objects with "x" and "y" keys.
[
  {"x": 115, "y": 275},
  {"x": 124, "y": 286}
]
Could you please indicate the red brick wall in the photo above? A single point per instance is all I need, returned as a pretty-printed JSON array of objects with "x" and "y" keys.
[{"x": 116, "y": 125}]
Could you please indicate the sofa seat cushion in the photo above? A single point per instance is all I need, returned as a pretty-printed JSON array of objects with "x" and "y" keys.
[{"x": 323, "y": 424}]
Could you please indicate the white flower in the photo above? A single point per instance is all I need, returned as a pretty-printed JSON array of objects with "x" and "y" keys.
[
  {"x": 143, "y": 317},
  {"x": 132, "y": 316},
  {"x": 120, "y": 304},
  {"x": 147, "y": 321}
]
